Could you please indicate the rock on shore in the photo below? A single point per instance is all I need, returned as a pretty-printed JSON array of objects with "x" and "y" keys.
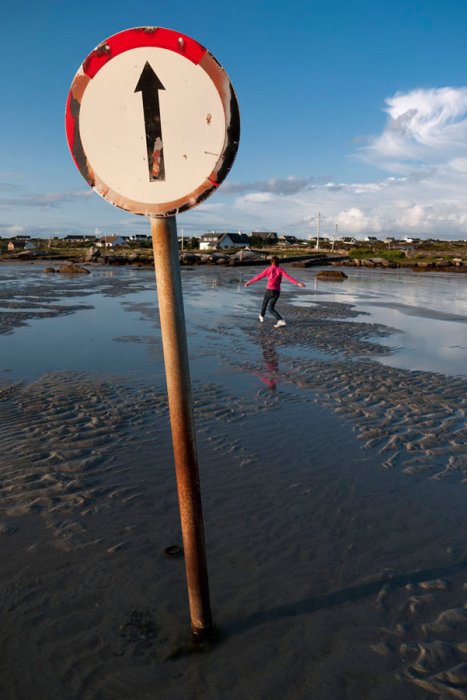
[
  {"x": 331, "y": 275},
  {"x": 73, "y": 269}
]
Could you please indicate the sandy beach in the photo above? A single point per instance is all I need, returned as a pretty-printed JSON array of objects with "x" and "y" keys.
[{"x": 333, "y": 471}]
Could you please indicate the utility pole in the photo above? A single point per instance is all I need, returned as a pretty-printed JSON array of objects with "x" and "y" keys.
[
  {"x": 334, "y": 239},
  {"x": 317, "y": 231}
]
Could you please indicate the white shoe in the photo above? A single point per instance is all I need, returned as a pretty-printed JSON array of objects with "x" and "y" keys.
[
  {"x": 261, "y": 318},
  {"x": 279, "y": 324}
]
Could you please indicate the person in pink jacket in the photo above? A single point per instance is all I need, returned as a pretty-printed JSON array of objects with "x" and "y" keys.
[{"x": 274, "y": 273}]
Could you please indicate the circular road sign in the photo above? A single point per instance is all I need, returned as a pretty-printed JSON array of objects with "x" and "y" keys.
[{"x": 152, "y": 121}]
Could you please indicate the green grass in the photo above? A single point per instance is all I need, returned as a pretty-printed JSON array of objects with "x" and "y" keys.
[{"x": 364, "y": 253}]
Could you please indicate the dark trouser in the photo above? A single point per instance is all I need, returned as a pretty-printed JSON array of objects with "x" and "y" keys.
[{"x": 270, "y": 297}]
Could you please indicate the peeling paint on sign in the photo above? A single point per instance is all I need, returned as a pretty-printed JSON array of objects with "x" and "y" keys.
[{"x": 149, "y": 153}]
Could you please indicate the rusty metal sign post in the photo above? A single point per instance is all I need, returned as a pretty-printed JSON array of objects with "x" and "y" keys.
[
  {"x": 153, "y": 126},
  {"x": 169, "y": 293}
]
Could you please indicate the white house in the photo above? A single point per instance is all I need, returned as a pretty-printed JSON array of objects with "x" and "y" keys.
[
  {"x": 370, "y": 239},
  {"x": 220, "y": 241},
  {"x": 110, "y": 242}
]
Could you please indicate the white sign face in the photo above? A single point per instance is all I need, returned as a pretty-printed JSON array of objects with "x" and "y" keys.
[{"x": 153, "y": 128}]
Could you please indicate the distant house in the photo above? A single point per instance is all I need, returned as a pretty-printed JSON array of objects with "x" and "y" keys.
[
  {"x": 21, "y": 238},
  {"x": 213, "y": 240},
  {"x": 371, "y": 239},
  {"x": 20, "y": 245},
  {"x": 314, "y": 239},
  {"x": 409, "y": 239},
  {"x": 72, "y": 238},
  {"x": 266, "y": 236},
  {"x": 209, "y": 241},
  {"x": 234, "y": 240},
  {"x": 348, "y": 240},
  {"x": 288, "y": 240},
  {"x": 110, "y": 242},
  {"x": 139, "y": 237}
]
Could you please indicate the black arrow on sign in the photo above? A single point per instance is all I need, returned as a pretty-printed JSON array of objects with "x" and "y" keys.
[{"x": 149, "y": 85}]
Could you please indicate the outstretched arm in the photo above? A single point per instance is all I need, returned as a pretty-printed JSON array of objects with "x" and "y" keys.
[
  {"x": 258, "y": 277},
  {"x": 291, "y": 279}
]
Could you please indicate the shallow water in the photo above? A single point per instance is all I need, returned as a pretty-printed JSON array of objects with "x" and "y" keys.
[
  {"x": 426, "y": 314},
  {"x": 427, "y": 311}
]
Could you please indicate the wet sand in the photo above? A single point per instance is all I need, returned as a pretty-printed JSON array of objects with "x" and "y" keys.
[{"x": 333, "y": 490}]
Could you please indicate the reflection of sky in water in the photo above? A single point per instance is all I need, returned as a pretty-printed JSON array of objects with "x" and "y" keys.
[
  {"x": 436, "y": 291},
  {"x": 81, "y": 341},
  {"x": 419, "y": 306},
  {"x": 429, "y": 309}
]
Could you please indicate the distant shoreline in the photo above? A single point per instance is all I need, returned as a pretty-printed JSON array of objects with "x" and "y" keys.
[{"x": 190, "y": 260}]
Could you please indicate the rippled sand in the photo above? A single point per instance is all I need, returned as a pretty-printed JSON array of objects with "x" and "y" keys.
[{"x": 334, "y": 499}]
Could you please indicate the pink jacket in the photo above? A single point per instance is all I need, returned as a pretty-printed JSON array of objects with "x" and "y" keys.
[{"x": 274, "y": 274}]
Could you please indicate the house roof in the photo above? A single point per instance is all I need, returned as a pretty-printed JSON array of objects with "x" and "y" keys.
[
  {"x": 211, "y": 236},
  {"x": 236, "y": 237},
  {"x": 218, "y": 237},
  {"x": 264, "y": 234},
  {"x": 110, "y": 239}
]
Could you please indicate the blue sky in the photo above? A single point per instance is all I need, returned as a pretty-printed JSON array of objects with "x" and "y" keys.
[{"x": 351, "y": 108}]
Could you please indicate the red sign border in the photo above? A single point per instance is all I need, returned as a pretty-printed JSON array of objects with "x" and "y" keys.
[{"x": 185, "y": 46}]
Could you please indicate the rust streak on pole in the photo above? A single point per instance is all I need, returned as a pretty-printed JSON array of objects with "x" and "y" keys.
[{"x": 172, "y": 319}]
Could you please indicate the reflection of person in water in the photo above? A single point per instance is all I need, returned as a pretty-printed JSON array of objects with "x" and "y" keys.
[
  {"x": 274, "y": 273},
  {"x": 271, "y": 366}
]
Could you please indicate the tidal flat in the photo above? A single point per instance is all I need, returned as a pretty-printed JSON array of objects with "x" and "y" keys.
[{"x": 333, "y": 468}]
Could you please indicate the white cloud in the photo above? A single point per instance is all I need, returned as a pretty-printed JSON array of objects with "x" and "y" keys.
[
  {"x": 353, "y": 219},
  {"x": 258, "y": 197},
  {"x": 459, "y": 164},
  {"x": 424, "y": 126},
  {"x": 423, "y": 147}
]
